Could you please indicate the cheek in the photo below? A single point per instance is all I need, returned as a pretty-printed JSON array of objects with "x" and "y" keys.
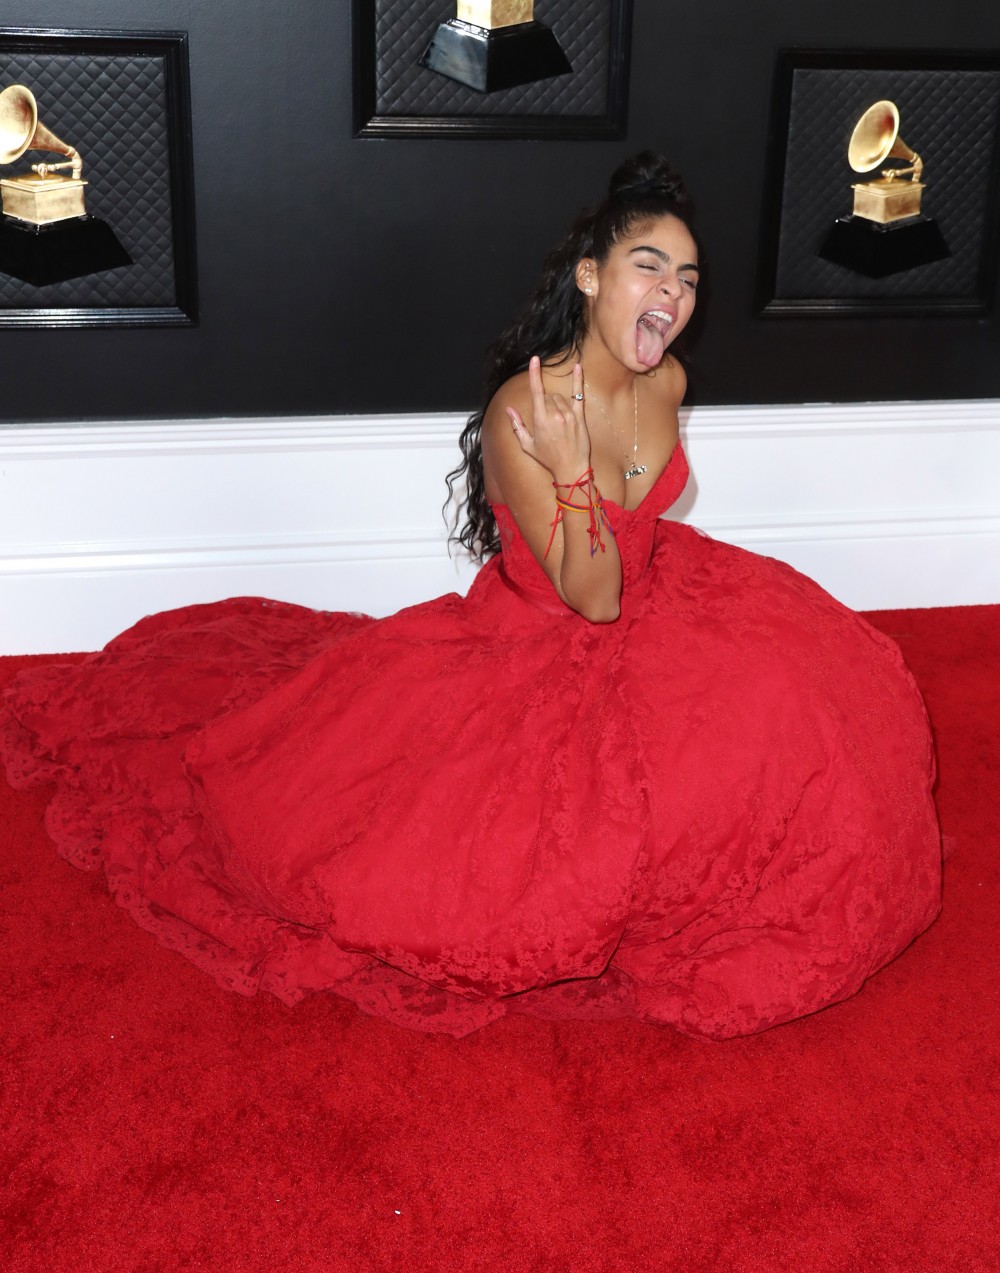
[{"x": 683, "y": 317}]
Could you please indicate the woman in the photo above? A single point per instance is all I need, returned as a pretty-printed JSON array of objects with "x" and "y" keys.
[
  {"x": 628, "y": 277},
  {"x": 634, "y": 773}
]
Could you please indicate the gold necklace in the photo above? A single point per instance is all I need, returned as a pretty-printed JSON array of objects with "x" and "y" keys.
[{"x": 635, "y": 468}]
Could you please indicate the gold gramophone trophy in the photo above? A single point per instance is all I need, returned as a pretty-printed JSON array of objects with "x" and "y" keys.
[
  {"x": 494, "y": 44},
  {"x": 46, "y": 235},
  {"x": 42, "y": 196},
  {"x": 886, "y": 232}
]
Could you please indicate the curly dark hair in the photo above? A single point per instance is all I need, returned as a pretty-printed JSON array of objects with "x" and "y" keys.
[{"x": 553, "y": 323}]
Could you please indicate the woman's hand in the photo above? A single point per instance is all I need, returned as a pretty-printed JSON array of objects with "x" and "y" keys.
[
  {"x": 560, "y": 441},
  {"x": 520, "y": 466}
]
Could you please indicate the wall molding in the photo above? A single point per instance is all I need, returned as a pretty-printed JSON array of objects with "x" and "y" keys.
[
  {"x": 886, "y": 504},
  {"x": 245, "y": 435},
  {"x": 818, "y": 419},
  {"x": 434, "y": 429}
]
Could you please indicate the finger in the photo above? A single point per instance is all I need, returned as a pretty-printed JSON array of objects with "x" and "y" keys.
[
  {"x": 535, "y": 384},
  {"x": 558, "y": 405},
  {"x": 517, "y": 424},
  {"x": 578, "y": 390}
]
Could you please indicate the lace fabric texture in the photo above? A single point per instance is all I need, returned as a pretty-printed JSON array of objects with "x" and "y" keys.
[{"x": 714, "y": 813}]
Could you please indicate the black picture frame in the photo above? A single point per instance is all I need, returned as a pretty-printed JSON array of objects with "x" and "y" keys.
[
  {"x": 167, "y": 294},
  {"x": 482, "y": 120},
  {"x": 811, "y": 88}
]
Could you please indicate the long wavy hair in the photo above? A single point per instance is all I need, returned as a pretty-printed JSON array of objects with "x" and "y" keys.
[{"x": 554, "y": 322}]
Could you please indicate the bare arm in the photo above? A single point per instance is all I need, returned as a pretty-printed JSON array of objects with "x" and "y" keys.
[{"x": 532, "y": 439}]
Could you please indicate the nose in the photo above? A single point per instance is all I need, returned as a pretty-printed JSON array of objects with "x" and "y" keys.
[{"x": 670, "y": 285}]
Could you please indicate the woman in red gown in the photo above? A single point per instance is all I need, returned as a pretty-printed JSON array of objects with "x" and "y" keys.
[{"x": 636, "y": 772}]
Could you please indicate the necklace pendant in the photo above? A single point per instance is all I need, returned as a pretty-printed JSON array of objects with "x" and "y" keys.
[{"x": 634, "y": 471}]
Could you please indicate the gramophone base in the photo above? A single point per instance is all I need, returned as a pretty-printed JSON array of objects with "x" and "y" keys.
[
  {"x": 487, "y": 60},
  {"x": 43, "y": 200},
  {"x": 44, "y": 254},
  {"x": 875, "y": 250}
]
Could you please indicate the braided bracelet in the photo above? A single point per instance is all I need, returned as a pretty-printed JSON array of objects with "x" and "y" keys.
[{"x": 594, "y": 507}]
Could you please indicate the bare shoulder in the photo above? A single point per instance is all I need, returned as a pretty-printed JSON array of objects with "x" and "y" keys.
[
  {"x": 497, "y": 435},
  {"x": 506, "y": 468},
  {"x": 515, "y": 393},
  {"x": 557, "y": 377},
  {"x": 669, "y": 384},
  {"x": 662, "y": 394}
]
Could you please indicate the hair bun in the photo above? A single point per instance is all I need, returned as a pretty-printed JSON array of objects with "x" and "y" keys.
[{"x": 645, "y": 174}]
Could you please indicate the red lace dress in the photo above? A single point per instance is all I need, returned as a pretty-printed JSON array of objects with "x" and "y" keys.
[{"x": 714, "y": 813}]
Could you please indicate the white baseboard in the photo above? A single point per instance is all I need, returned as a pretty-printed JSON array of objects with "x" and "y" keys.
[{"x": 886, "y": 504}]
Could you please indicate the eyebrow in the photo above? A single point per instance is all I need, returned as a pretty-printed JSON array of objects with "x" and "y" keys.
[{"x": 664, "y": 256}]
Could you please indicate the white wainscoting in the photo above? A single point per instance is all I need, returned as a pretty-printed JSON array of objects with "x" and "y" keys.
[{"x": 886, "y": 504}]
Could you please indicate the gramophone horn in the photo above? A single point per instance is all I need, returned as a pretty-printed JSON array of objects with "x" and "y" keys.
[
  {"x": 876, "y": 138},
  {"x": 21, "y": 131}
]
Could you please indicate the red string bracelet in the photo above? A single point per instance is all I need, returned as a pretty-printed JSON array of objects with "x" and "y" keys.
[{"x": 594, "y": 507}]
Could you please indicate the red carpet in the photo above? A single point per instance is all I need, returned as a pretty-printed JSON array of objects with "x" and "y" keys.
[{"x": 151, "y": 1122}]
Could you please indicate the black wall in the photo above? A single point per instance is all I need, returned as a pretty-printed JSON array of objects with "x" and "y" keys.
[{"x": 340, "y": 275}]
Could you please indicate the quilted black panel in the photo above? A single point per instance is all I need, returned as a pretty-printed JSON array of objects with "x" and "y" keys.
[
  {"x": 949, "y": 117},
  {"x": 113, "y": 110},
  {"x": 403, "y": 30}
]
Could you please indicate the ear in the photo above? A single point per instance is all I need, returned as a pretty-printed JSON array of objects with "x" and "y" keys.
[{"x": 586, "y": 276}]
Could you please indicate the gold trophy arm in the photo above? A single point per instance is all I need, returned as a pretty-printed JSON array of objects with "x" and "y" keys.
[
  {"x": 76, "y": 164},
  {"x": 46, "y": 140},
  {"x": 913, "y": 172}
]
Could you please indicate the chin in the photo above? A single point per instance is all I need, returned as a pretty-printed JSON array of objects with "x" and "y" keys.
[{"x": 630, "y": 359}]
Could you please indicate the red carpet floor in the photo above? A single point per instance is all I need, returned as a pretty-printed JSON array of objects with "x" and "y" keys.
[{"x": 152, "y": 1122}]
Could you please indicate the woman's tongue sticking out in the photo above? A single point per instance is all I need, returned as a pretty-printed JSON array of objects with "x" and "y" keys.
[{"x": 651, "y": 339}]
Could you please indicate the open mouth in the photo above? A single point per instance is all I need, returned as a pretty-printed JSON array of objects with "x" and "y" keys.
[{"x": 652, "y": 334}]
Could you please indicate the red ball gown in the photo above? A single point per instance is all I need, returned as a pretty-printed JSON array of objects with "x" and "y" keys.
[{"x": 713, "y": 814}]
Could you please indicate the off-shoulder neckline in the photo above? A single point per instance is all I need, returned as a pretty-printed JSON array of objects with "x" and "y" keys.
[{"x": 678, "y": 449}]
